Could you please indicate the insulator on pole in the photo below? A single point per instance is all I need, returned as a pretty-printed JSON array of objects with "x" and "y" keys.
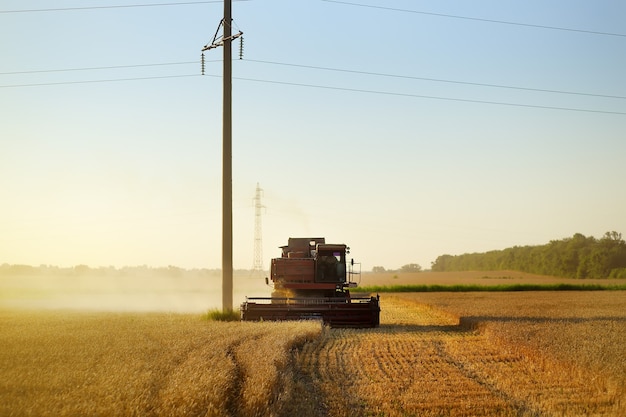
[
  {"x": 202, "y": 63},
  {"x": 241, "y": 47}
]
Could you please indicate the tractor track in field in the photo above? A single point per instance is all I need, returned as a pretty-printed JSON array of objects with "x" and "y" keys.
[
  {"x": 237, "y": 380},
  {"x": 425, "y": 362},
  {"x": 233, "y": 400},
  {"x": 521, "y": 408}
]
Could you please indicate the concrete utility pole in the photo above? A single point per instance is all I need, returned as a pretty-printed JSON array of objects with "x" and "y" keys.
[
  {"x": 227, "y": 166},
  {"x": 227, "y": 171}
]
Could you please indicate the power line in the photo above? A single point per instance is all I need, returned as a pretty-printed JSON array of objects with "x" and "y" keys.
[
  {"x": 410, "y": 77},
  {"x": 101, "y": 68},
  {"x": 389, "y": 93},
  {"x": 99, "y": 81},
  {"x": 122, "y": 6},
  {"x": 325, "y": 87},
  {"x": 316, "y": 67},
  {"x": 478, "y": 19}
]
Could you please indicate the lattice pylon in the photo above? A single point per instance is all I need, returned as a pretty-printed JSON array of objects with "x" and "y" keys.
[{"x": 258, "y": 230}]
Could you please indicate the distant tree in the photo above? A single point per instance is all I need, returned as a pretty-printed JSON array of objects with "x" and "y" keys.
[
  {"x": 81, "y": 269},
  {"x": 174, "y": 271},
  {"x": 442, "y": 263},
  {"x": 411, "y": 268},
  {"x": 17, "y": 269},
  {"x": 378, "y": 269}
]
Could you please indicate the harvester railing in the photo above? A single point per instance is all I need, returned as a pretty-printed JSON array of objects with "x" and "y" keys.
[{"x": 310, "y": 300}]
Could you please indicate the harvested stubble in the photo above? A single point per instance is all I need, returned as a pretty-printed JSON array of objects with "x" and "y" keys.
[
  {"x": 585, "y": 329},
  {"x": 423, "y": 361},
  {"x": 56, "y": 364}
]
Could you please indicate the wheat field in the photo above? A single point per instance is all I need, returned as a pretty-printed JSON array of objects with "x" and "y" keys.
[
  {"x": 475, "y": 355},
  {"x": 106, "y": 364},
  {"x": 582, "y": 330},
  {"x": 435, "y": 354},
  {"x": 484, "y": 278}
]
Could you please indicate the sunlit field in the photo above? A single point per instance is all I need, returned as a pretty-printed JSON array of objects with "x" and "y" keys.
[
  {"x": 586, "y": 330},
  {"x": 435, "y": 354},
  {"x": 478, "y": 355},
  {"x": 486, "y": 278},
  {"x": 104, "y": 364}
]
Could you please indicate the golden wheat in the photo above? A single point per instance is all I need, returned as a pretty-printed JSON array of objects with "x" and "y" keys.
[
  {"x": 455, "y": 354},
  {"x": 61, "y": 364},
  {"x": 486, "y": 278}
]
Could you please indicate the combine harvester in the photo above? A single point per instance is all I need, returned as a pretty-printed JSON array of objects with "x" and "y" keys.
[{"x": 312, "y": 281}]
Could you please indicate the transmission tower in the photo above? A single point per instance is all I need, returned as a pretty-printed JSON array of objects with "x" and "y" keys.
[{"x": 258, "y": 230}]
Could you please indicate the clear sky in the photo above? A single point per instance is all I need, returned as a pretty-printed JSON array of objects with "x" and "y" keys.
[{"x": 405, "y": 129}]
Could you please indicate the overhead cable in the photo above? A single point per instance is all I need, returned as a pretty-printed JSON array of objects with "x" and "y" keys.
[
  {"x": 120, "y": 6},
  {"x": 440, "y": 80},
  {"x": 98, "y": 81},
  {"x": 389, "y": 93},
  {"x": 99, "y": 68},
  {"x": 316, "y": 67},
  {"x": 478, "y": 19},
  {"x": 325, "y": 87}
]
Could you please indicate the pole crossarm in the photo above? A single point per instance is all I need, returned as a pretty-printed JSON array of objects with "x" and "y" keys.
[{"x": 220, "y": 42}]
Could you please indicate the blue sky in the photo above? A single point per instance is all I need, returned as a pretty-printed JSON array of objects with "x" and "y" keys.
[{"x": 367, "y": 122}]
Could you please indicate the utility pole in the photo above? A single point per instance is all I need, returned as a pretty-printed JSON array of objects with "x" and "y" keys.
[{"x": 227, "y": 167}]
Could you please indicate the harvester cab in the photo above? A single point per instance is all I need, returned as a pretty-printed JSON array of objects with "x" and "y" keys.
[{"x": 312, "y": 280}]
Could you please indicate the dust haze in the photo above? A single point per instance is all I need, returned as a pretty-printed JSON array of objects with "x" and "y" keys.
[{"x": 136, "y": 289}]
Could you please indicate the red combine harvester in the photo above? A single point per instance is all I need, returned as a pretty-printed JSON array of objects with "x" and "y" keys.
[{"x": 312, "y": 281}]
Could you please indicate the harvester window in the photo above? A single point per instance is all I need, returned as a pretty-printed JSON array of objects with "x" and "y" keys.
[{"x": 331, "y": 267}]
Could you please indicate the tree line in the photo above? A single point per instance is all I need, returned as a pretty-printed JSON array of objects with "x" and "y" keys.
[
  {"x": 106, "y": 271},
  {"x": 576, "y": 257},
  {"x": 404, "y": 268}
]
